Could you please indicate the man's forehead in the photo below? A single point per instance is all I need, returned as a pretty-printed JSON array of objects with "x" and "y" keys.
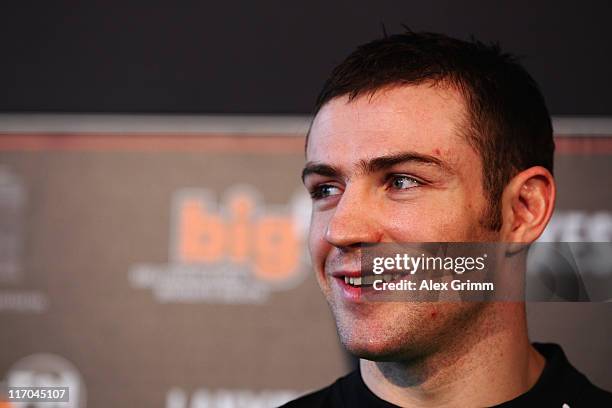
[{"x": 417, "y": 118}]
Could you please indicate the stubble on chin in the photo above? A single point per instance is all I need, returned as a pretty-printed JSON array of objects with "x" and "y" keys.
[{"x": 406, "y": 331}]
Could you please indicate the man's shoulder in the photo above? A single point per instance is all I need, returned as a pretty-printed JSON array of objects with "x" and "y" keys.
[
  {"x": 330, "y": 396},
  {"x": 562, "y": 381},
  {"x": 580, "y": 389},
  {"x": 319, "y": 398},
  {"x": 580, "y": 392},
  {"x": 560, "y": 385}
]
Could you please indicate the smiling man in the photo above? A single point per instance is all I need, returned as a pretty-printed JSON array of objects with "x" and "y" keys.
[{"x": 419, "y": 137}]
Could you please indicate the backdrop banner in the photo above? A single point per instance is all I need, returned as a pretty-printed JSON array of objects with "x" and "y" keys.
[{"x": 171, "y": 270}]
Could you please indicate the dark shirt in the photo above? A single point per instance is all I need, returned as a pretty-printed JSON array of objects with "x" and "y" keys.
[{"x": 560, "y": 386}]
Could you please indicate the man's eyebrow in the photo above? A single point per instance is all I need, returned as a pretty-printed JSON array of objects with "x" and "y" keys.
[
  {"x": 320, "y": 169},
  {"x": 385, "y": 162},
  {"x": 376, "y": 164}
]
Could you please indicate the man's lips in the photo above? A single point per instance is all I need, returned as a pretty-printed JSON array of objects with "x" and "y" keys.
[
  {"x": 353, "y": 278},
  {"x": 342, "y": 274},
  {"x": 351, "y": 284},
  {"x": 356, "y": 274},
  {"x": 365, "y": 279}
]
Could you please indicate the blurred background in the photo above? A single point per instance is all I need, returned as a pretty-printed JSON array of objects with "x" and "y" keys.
[{"x": 152, "y": 219}]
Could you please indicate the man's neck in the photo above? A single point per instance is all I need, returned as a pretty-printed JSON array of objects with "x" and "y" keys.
[{"x": 477, "y": 370}]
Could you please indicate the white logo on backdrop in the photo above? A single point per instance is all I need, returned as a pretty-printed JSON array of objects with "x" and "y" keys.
[
  {"x": 576, "y": 264},
  {"x": 228, "y": 398},
  {"x": 48, "y": 370}
]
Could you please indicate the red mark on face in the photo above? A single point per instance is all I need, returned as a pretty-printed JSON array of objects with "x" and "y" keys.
[
  {"x": 434, "y": 314},
  {"x": 437, "y": 151}
]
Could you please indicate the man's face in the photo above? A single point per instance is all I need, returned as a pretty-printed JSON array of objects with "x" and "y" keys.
[{"x": 391, "y": 168}]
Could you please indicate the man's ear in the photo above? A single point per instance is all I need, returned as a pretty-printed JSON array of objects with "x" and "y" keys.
[{"x": 527, "y": 205}]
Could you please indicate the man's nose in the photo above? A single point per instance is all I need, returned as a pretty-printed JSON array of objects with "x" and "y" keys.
[{"x": 354, "y": 220}]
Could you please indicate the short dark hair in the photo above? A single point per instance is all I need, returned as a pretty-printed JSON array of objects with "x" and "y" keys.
[{"x": 508, "y": 123}]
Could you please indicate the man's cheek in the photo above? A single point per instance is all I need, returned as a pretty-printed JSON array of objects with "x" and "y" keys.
[
  {"x": 319, "y": 249},
  {"x": 316, "y": 239},
  {"x": 436, "y": 221},
  {"x": 411, "y": 226}
]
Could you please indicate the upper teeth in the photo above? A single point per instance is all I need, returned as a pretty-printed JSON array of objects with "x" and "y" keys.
[
  {"x": 367, "y": 280},
  {"x": 356, "y": 280}
]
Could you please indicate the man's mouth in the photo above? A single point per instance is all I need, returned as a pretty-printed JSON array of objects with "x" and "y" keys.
[
  {"x": 368, "y": 280},
  {"x": 353, "y": 284}
]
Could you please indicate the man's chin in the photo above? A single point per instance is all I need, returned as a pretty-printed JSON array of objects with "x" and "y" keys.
[{"x": 381, "y": 350}]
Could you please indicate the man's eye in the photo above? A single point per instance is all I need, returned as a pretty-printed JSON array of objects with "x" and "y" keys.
[
  {"x": 404, "y": 182},
  {"x": 323, "y": 191}
]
